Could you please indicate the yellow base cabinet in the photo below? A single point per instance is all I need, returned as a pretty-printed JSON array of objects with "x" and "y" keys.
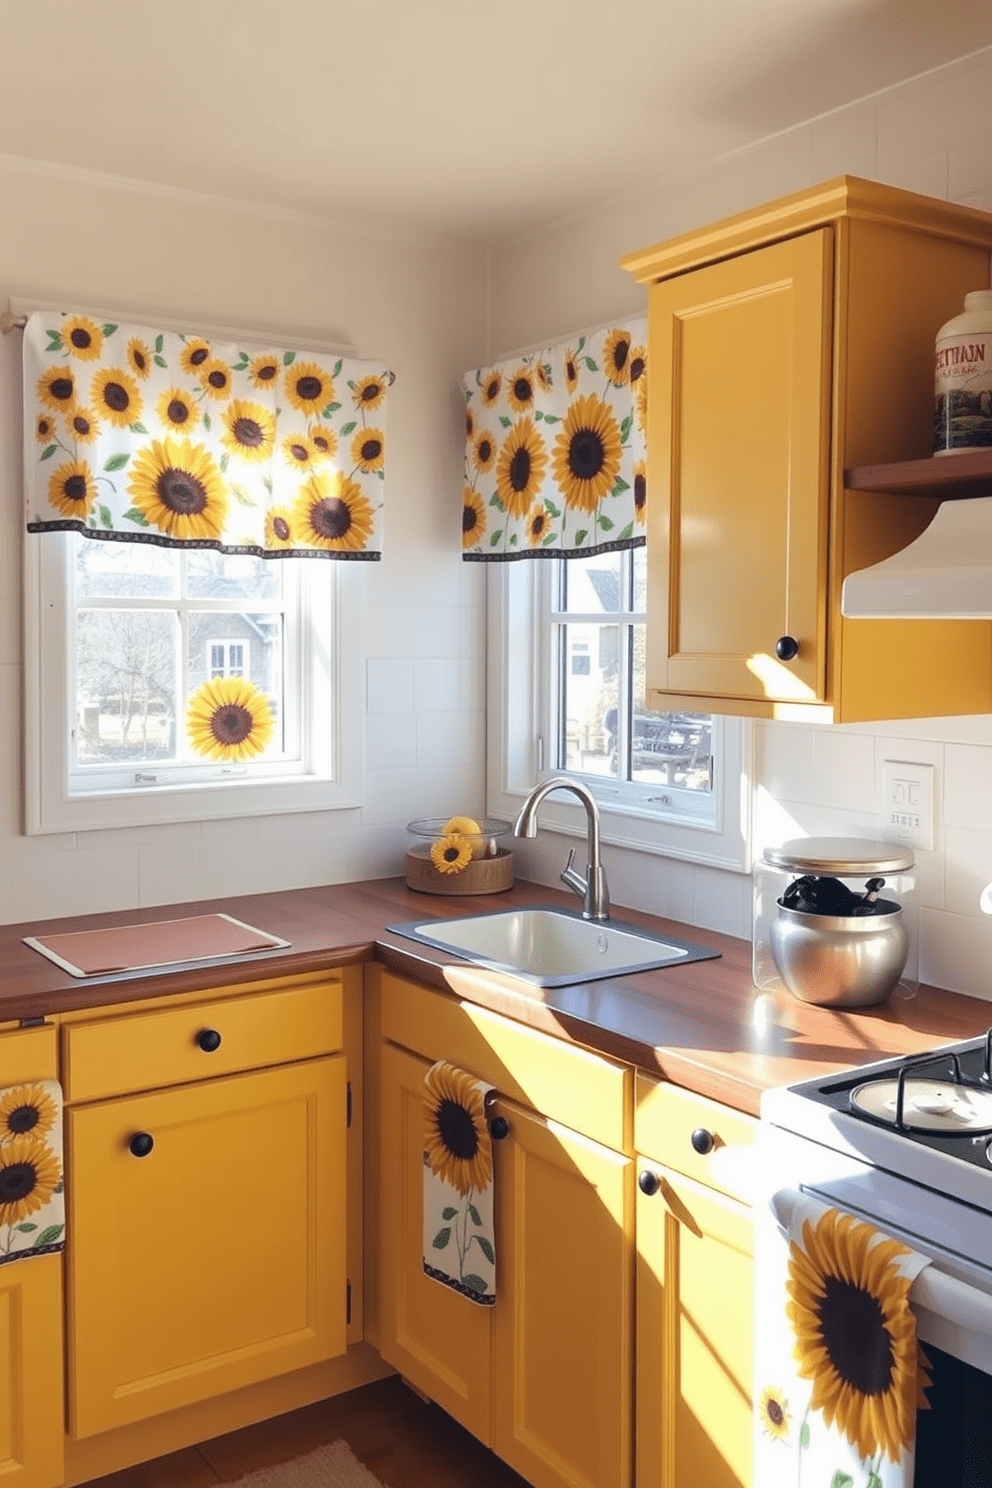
[
  {"x": 31, "y": 1370},
  {"x": 694, "y": 1303},
  {"x": 787, "y": 345},
  {"x": 544, "y": 1375}
]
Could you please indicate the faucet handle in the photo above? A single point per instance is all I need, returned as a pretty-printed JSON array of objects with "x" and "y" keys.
[{"x": 572, "y": 878}]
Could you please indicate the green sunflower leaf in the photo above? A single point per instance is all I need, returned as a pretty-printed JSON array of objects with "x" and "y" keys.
[
  {"x": 337, "y": 367},
  {"x": 160, "y": 361},
  {"x": 54, "y": 341},
  {"x": 135, "y": 516},
  {"x": 495, "y": 501},
  {"x": 448, "y": 1212},
  {"x": 474, "y": 1215},
  {"x": 442, "y": 1237},
  {"x": 620, "y": 486},
  {"x": 267, "y": 483},
  {"x": 538, "y": 414},
  {"x": 242, "y": 362},
  {"x": 288, "y": 358},
  {"x": 804, "y": 1434},
  {"x": 331, "y": 408},
  {"x": 495, "y": 539},
  {"x": 486, "y": 1249},
  {"x": 206, "y": 420},
  {"x": 105, "y": 516},
  {"x": 513, "y": 540},
  {"x": 604, "y": 522},
  {"x": 27, "y": 1228},
  {"x": 591, "y": 364},
  {"x": 475, "y": 1282},
  {"x": 582, "y": 342},
  {"x": 626, "y": 427},
  {"x": 240, "y": 494},
  {"x": 552, "y": 509},
  {"x": 48, "y": 451},
  {"x": 109, "y": 329},
  {"x": 627, "y": 532},
  {"x": 874, "y": 1481},
  {"x": 117, "y": 462},
  {"x": 580, "y": 537},
  {"x": 505, "y": 421},
  {"x": 844, "y": 1480},
  {"x": 552, "y": 537},
  {"x": 552, "y": 418},
  {"x": 225, "y": 460},
  {"x": 349, "y": 428},
  {"x": 159, "y": 342},
  {"x": 49, "y": 1235},
  {"x": 138, "y": 428}
]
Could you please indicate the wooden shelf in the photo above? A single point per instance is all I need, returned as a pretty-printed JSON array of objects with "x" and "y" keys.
[{"x": 945, "y": 476}]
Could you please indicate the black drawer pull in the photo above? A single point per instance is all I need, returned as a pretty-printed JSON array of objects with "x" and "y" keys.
[
  {"x": 208, "y": 1039},
  {"x": 141, "y": 1144},
  {"x": 648, "y": 1182},
  {"x": 702, "y": 1141},
  {"x": 499, "y": 1128}
]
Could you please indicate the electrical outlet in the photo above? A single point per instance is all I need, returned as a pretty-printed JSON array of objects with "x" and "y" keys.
[{"x": 908, "y": 803}]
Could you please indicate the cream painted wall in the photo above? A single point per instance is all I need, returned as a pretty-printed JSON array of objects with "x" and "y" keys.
[
  {"x": 931, "y": 136},
  {"x": 421, "y": 307}
]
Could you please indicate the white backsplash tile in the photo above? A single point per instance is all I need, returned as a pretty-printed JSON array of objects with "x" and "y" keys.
[{"x": 389, "y": 684}]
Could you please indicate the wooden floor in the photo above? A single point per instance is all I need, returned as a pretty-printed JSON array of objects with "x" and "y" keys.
[{"x": 404, "y": 1442}]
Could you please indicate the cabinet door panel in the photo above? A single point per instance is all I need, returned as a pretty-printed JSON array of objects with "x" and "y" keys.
[
  {"x": 694, "y": 1337},
  {"x": 31, "y": 1416},
  {"x": 739, "y": 441},
  {"x": 564, "y": 1260},
  {"x": 217, "y": 1259},
  {"x": 436, "y": 1338}
]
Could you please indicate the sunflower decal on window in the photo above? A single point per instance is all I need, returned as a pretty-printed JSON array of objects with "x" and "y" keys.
[
  {"x": 459, "y": 1247},
  {"x": 228, "y": 718}
]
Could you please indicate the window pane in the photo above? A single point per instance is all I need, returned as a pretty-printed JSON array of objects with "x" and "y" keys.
[
  {"x": 667, "y": 748},
  {"x": 106, "y": 570},
  {"x": 220, "y": 644},
  {"x": 639, "y": 561},
  {"x": 592, "y": 585},
  {"x": 590, "y": 689},
  {"x": 211, "y": 575},
  {"x": 125, "y": 686}
]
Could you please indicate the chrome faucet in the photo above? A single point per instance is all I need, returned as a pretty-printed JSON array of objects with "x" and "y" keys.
[{"x": 592, "y": 889}]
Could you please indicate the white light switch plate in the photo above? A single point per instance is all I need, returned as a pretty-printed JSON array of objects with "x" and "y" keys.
[{"x": 908, "y": 803}]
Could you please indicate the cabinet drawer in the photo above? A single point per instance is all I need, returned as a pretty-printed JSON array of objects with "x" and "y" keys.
[
  {"x": 28, "y": 1054},
  {"x": 141, "y": 1051},
  {"x": 665, "y": 1117},
  {"x": 580, "y": 1089}
]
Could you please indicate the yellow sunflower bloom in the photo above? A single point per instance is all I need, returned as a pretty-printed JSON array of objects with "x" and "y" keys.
[
  {"x": 116, "y": 396},
  {"x": 456, "y": 1142},
  {"x": 368, "y": 450},
  {"x": 483, "y": 451},
  {"x": 332, "y": 512},
  {"x": 587, "y": 453},
  {"x": 178, "y": 409},
  {"x": 82, "y": 425},
  {"x": 139, "y": 357},
  {"x": 641, "y": 491},
  {"x": 309, "y": 387},
  {"x": 451, "y": 853},
  {"x": 520, "y": 467},
  {"x": 177, "y": 487},
  {"x": 616, "y": 358},
  {"x": 469, "y": 423},
  {"x": 264, "y": 371},
  {"x": 44, "y": 429},
  {"x": 194, "y": 354},
  {"x": 324, "y": 441},
  {"x": 249, "y": 430},
  {"x": 492, "y": 386},
  {"x": 542, "y": 376},
  {"x": 773, "y": 1412},
  {"x": 56, "y": 388},
  {"x": 571, "y": 370},
  {"x": 299, "y": 452},
  {"x": 369, "y": 392},
  {"x": 215, "y": 378},
  {"x": 279, "y": 528},
  {"x": 72, "y": 489},
  {"x": 227, "y": 718},
  {"x": 29, "y": 1175},
  {"x": 641, "y": 403},
  {"x": 82, "y": 337},
  {"x": 473, "y": 517},
  {"x": 520, "y": 390},
  {"x": 856, "y": 1333},
  {"x": 26, "y": 1109},
  {"x": 638, "y": 364},
  {"x": 538, "y": 525}
]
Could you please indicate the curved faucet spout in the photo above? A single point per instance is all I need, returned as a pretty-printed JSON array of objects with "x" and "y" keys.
[{"x": 592, "y": 889}]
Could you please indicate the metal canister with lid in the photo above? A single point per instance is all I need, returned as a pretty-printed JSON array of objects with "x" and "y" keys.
[{"x": 835, "y": 920}]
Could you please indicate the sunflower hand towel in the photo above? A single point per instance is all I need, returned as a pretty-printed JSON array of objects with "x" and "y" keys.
[
  {"x": 839, "y": 1375},
  {"x": 32, "y": 1201},
  {"x": 459, "y": 1243}
]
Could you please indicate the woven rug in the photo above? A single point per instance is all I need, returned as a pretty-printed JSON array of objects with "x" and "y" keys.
[{"x": 333, "y": 1466}]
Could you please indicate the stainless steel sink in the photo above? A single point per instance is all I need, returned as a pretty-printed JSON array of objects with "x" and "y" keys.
[{"x": 551, "y": 947}]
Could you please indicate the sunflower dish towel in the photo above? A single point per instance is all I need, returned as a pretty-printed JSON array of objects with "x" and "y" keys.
[
  {"x": 459, "y": 1243},
  {"x": 839, "y": 1375},
  {"x": 32, "y": 1200}
]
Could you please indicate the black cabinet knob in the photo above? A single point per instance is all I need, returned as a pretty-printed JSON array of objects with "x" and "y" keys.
[
  {"x": 648, "y": 1182},
  {"x": 786, "y": 648},
  {"x": 702, "y": 1141},
  {"x": 141, "y": 1144},
  {"x": 208, "y": 1039},
  {"x": 499, "y": 1128}
]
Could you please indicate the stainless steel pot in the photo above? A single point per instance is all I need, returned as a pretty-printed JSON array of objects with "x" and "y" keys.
[{"x": 839, "y": 960}]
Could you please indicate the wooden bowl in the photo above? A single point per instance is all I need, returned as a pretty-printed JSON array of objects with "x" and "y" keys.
[{"x": 481, "y": 876}]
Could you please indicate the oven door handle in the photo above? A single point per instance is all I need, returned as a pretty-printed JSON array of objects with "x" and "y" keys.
[{"x": 933, "y": 1291}]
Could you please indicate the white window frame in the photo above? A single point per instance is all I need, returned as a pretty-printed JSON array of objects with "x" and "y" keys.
[
  {"x": 519, "y": 704},
  {"x": 328, "y": 777}
]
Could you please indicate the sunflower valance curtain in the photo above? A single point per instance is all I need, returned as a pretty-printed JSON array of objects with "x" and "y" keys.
[
  {"x": 555, "y": 449},
  {"x": 140, "y": 435}
]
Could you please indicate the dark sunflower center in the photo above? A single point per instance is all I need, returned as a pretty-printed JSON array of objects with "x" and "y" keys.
[
  {"x": 116, "y": 396},
  {"x": 636, "y": 369},
  {"x": 61, "y": 388},
  {"x": 181, "y": 492},
  {"x": 537, "y": 526},
  {"x": 371, "y": 449},
  {"x": 853, "y": 1329},
  {"x": 44, "y": 427},
  {"x": 199, "y": 355},
  {"x": 775, "y": 1413},
  {"x": 485, "y": 450},
  {"x": 585, "y": 454},
  {"x": 299, "y": 452},
  {"x": 80, "y": 424},
  {"x": 457, "y": 1129},
  {"x": 520, "y": 465},
  {"x": 81, "y": 338},
  {"x": 522, "y": 390},
  {"x": 17, "y": 1181},
  {"x": 640, "y": 491},
  {"x": 231, "y": 724},
  {"x": 248, "y": 432},
  {"x": 330, "y": 517},
  {"x": 452, "y": 854},
  {"x": 570, "y": 371},
  {"x": 23, "y": 1119},
  {"x": 217, "y": 378},
  {"x": 266, "y": 373},
  {"x": 178, "y": 411},
  {"x": 470, "y": 519},
  {"x": 370, "y": 393},
  {"x": 281, "y": 528},
  {"x": 309, "y": 388},
  {"x": 139, "y": 360},
  {"x": 492, "y": 389},
  {"x": 75, "y": 488},
  {"x": 620, "y": 353}
]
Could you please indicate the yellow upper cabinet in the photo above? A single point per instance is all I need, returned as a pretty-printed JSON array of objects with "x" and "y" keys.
[{"x": 787, "y": 345}]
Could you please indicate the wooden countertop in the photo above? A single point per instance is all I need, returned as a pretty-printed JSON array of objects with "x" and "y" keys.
[{"x": 704, "y": 1026}]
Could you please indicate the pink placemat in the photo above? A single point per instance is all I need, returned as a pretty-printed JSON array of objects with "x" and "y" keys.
[{"x": 85, "y": 953}]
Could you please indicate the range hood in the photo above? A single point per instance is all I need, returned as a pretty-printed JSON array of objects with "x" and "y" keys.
[{"x": 946, "y": 573}]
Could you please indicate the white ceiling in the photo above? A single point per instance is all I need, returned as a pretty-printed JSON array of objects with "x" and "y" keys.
[{"x": 474, "y": 120}]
